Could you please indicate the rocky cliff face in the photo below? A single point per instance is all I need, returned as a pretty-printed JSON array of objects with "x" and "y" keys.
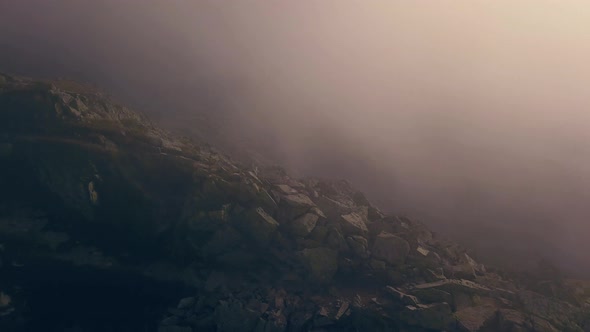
[{"x": 109, "y": 224}]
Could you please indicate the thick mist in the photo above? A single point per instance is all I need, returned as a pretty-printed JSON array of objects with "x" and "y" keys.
[{"x": 471, "y": 115}]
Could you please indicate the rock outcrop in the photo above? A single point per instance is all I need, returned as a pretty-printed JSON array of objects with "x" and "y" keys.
[{"x": 88, "y": 185}]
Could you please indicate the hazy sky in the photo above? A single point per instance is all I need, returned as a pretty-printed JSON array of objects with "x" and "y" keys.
[{"x": 472, "y": 114}]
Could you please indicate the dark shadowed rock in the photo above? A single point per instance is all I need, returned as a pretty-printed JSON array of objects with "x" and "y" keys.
[
  {"x": 322, "y": 263},
  {"x": 390, "y": 248},
  {"x": 358, "y": 245},
  {"x": 258, "y": 225},
  {"x": 431, "y": 316}
]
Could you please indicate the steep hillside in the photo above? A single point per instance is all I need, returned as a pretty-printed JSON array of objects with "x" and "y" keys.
[{"x": 108, "y": 223}]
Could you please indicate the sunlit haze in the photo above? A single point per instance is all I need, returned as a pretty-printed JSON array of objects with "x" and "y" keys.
[{"x": 471, "y": 115}]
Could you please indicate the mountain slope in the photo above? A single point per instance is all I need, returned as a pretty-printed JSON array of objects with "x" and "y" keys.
[{"x": 102, "y": 213}]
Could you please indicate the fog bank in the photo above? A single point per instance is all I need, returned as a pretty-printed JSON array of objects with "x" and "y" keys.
[{"x": 471, "y": 115}]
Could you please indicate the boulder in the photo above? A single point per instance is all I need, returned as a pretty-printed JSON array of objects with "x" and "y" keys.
[
  {"x": 477, "y": 267},
  {"x": 437, "y": 316},
  {"x": 335, "y": 240},
  {"x": 478, "y": 318},
  {"x": 462, "y": 271},
  {"x": 333, "y": 208},
  {"x": 432, "y": 295},
  {"x": 464, "y": 292},
  {"x": 319, "y": 233},
  {"x": 353, "y": 224},
  {"x": 374, "y": 214},
  {"x": 512, "y": 320},
  {"x": 321, "y": 263},
  {"x": 391, "y": 248},
  {"x": 258, "y": 225},
  {"x": 303, "y": 225},
  {"x": 285, "y": 189},
  {"x": 293, "y": 206},
  {"x": 388, "y": 225},
  {"x": 358, "y": 245},
  {"x": 298, "y": 201}
]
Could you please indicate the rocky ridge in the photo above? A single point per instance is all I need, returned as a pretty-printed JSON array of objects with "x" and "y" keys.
[{"x": 88, "y": 184}]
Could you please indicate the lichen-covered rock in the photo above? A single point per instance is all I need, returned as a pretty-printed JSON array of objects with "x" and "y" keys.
[{"x": 390, "y": 248}]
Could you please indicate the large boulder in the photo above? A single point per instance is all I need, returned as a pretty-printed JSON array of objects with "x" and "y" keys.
[
  {"x": 303, "y": 225},
  {"x": 293, "y": 206},
  {"x": 353, "y": 224},
  {"x": 333, "y": 208},
  {"x": 358, "y": 245},
  {"x": 391, "y": 248}
]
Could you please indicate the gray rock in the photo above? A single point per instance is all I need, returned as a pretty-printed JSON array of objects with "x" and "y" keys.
[
  {"x": 286, "y": 190},
  {"x": 303, "y": 225},
  {"x": 473, "y": 319},
  {"x": 317, "y": 211},
  {"x": 298, "y": 201},
  {"x": 463, "y": 271},
  {"x": 332, "y": 208},
  {"x": 294, "y": 206},
  {"x": 391, "y": 248},
  {"x": 353, "y": 224}
]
